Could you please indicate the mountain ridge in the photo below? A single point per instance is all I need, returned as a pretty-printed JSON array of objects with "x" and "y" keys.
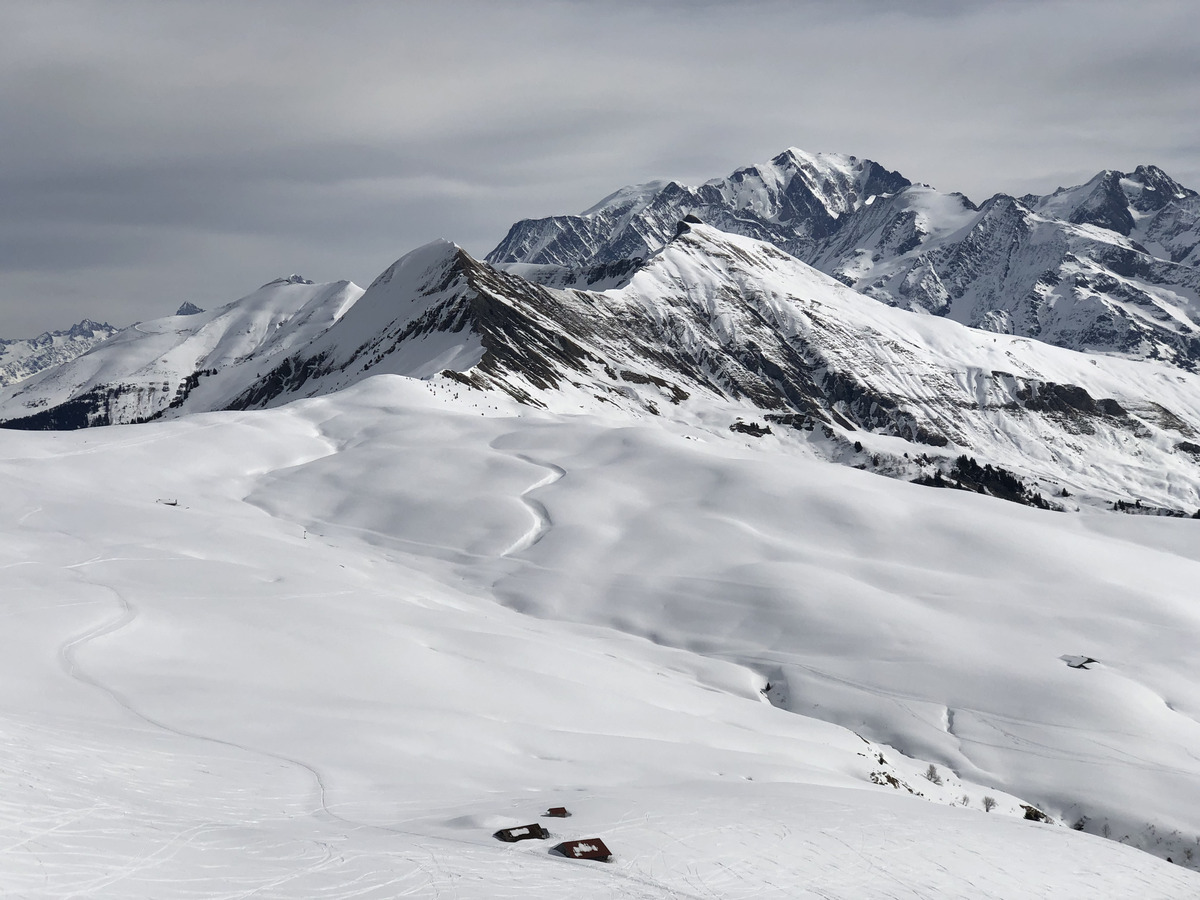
[
  {"x": 713, "y": 319},
  {"x": 22, "y": 358},
  {"x": 761, "y": 334},
  {"x": 141, "y": 371},
  {"x": 1109, "y": 266}
]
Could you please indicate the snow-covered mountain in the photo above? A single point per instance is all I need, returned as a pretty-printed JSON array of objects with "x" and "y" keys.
[
  {"x": 795, "y": 202},
  {"x": 1108, "y": 267},
  {"x": 145, "y": 369},
  {"x": 714, "y": 320},
  {"x": 22, "y": 358},
  {"x": 1146, "y": 205},
  {"x": 393, "y": 569}
]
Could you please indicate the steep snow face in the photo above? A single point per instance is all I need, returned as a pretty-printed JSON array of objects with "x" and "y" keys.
[
  {"x": 1110, "y": 266},
  {"x": 152, "y": 366},
  {"x": 23, "y": 358},
  {"x": 717, "y": 327},
  {"x": 412, "y": 320},
  {"x": 875, "y": 243},
  {"x": 377, "y": 626},
  {"x": 853, "y": 364}
]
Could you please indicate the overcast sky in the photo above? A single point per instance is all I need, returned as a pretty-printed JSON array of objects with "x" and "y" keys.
[{"x": 156, "y": 152}]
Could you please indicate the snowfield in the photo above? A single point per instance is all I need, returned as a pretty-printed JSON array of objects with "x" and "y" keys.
[{"x": 325, "y": 650}]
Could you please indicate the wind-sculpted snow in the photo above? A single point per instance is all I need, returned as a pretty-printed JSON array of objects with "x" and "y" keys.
[
  {"x": 1110, "y": 266},
  {"x": 378, "y": 626}
]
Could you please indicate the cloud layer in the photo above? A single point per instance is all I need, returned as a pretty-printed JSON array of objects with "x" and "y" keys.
[{"x": 162, "y": 151}]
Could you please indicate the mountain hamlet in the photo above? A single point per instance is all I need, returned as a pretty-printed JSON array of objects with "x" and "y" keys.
[{"x": 809, "y": 532}]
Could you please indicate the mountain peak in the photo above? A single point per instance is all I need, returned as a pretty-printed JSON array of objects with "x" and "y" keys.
[
  {"x": 1157, "y": 188},
  {"x": 1110, "y": 198},
  {"x": 87, "y": 328},
  {"x": 796, "y": 198},
  {"x": 868, "y": 176},
  {"x": 187, "y": 308},
  {"x": 289, "y": 279},
  {"x": 416, "y": 265}
]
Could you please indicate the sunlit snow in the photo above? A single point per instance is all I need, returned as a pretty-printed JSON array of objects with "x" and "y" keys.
[{"x": 378, "y": 626}]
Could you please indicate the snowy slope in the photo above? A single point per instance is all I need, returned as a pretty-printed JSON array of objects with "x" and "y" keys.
[
  {"x": 19, "y": 359},
  {"x": 146, "y": 368},
  {"x": 379, "y": 625},
  {"x": 718, "y": 322},
  {"x": 1110, "y": 266}
]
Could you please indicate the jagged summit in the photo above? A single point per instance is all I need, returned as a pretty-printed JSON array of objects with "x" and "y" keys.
[
  {"x": 1113, "y": 200},
  {"x": 86, "y": 328},
  {"x": 187, "y": 308},
  {"x": 796, "y": 198},
  {"x": 24, "y": 358},
  {"x": 289, "y": 279},
  {"x": 1109, "y": 266}
]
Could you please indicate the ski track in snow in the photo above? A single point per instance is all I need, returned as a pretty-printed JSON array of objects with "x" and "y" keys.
[
  {"x": 305, "y": 846},
  {"x": 625, "y": 884},
  {"x": 124, "y": 617},
  {"x": 541, "y": 516}
]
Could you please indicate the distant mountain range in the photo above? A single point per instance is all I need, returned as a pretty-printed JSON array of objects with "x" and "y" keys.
[
  {"x": 638, "y": 422},
  {"x": 21, "y": 358},
  {"x": 757, "y": 293},
  {"x": 151, "y": 367},
  {"x": 1107, "y": 267}
]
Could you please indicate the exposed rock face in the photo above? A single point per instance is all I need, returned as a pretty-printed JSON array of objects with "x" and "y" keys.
[
  {"x": 796, "y": 201},
  {"x": 1110, "y": 266}
]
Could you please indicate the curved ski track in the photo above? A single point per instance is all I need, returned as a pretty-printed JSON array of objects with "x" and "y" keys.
[{"x": 541, "y": 516}]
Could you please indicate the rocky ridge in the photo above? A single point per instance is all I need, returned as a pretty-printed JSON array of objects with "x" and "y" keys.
[
  {"x": 1106, "y": 267},
  {"x": 716, "y": 326}
]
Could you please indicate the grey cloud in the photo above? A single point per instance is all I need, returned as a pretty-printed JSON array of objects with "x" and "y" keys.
[{"x": 161, "y": 151}]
